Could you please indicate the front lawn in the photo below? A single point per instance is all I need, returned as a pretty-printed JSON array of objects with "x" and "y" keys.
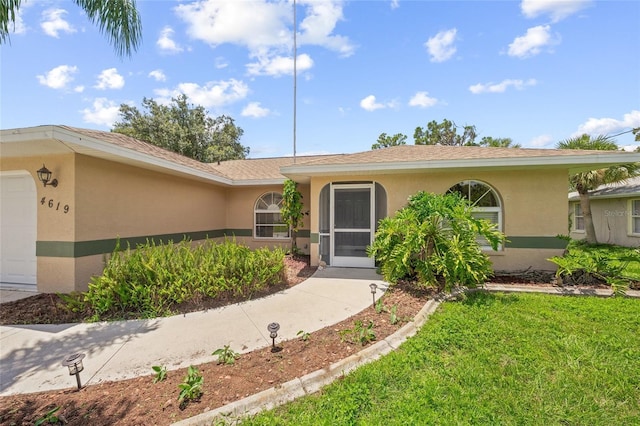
[{"x": 496, "y": 359}]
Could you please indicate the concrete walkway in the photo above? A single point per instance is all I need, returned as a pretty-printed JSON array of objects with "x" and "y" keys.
[{"x": 31, "y": 355}]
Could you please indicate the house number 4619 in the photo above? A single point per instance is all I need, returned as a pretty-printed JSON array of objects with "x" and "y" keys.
[{"x": 52, "y": 204}]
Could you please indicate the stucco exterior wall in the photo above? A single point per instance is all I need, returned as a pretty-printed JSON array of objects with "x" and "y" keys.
[
  {"x": 118, "y": 200},
  {"x": 240, "y": 205},
  {"x": 533, "y": 204},
  {"x": 611, "y": 219}
]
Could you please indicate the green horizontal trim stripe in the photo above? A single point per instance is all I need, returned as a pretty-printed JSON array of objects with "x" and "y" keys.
[
  {"x": 536, "y": 242},
  {"x": 91, "y": 248}
]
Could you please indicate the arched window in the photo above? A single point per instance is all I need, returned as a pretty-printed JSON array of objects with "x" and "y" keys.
[
  {"x": 484, "y": 201},
  {"x": 268, "y": 221}
]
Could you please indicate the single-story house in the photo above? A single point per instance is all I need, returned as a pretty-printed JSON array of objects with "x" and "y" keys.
[
  {"x": 615, "y": 209},
  {"x": 101, "y": 186}
]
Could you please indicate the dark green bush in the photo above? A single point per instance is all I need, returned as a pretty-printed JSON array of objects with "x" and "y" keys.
[
  {"x": 434, "y": 241},
  {"x": 150, "y": 280}
]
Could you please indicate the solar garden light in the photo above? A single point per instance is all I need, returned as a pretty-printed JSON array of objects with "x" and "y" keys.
[
  {"x": 74, "y": 363},
  {"x": 373, "y": 288},
  {"x": 273, "y": 333}
]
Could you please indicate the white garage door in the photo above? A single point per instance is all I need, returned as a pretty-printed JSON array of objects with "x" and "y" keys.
[{"x": 18, "y": 228}]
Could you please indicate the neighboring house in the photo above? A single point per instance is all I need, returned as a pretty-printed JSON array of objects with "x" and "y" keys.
[
  {"x": 112, "y": 186},
  {"x": 615, "y": 210}
]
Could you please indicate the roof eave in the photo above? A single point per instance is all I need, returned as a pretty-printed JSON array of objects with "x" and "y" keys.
[{"x": 87, "y": 145}]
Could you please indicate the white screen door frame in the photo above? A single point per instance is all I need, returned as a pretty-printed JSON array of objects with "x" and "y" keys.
[{"x": 352, "y": 224}]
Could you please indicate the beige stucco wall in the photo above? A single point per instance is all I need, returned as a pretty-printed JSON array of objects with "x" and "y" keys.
[
  {"x": 611, "y": 219},
  {"x": 118, "y": 200},
  {"x": 533, "y": 205},
  {"x": 240, "y": 205}
]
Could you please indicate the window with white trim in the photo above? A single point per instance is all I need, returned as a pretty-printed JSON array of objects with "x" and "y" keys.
[
  {"x": 484, "y": 201},
  {"x": 578, "y": 217},
  {"x": 268, "y": 222},
  {"x": 634, "y": 216}
]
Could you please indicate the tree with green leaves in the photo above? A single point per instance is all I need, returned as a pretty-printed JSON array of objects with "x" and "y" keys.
[
  {"x": 385, "y": 141},
  {"x": 291, "y": 210},
  {"x": 445, "y": 133},
  {"x": 636, "y": 132},
  {"x": 119, "y": 20},
  {"x": 498, "y": 142},
  {"x": 583, "y": 182},
  {"x": 183, "y": 128}
]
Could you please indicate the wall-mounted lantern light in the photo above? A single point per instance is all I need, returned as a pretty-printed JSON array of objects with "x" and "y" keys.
[
  {"x": 74, "y": 363},
  {"x": 44, "y": 175}
]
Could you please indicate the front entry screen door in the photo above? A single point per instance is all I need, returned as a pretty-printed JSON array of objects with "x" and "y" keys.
[{"x": 353, "y": 218}]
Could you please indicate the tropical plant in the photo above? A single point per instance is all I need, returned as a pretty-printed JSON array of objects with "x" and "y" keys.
[
  {"x": 226, "y": 355},
  {"x": 119, "y": 20},
  {"x": 161, "y": 373},
  {"x": 291, "y": 210},
  {"x": 191, "y": 386},
  {"x": 183, "y": 128},
  {"x": 583, "y": 182},
  {"x": 434, "y": 241}
]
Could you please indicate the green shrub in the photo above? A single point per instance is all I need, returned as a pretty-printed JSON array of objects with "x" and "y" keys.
[
  {"x": 150, "y": 280},
  {"x": 584, "y": 264},
  {"x": 434, "y": 241}
]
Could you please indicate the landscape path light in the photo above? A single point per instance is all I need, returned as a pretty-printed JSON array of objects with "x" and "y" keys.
[
  {"x": 373, "y": 288},
  {"x": 273, "y": 333},
  {"x": 74, "y": 363}
]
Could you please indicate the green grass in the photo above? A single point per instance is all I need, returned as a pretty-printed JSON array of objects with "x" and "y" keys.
[
  {"x": 495, "y": 359},
  {"x": 614, "y": 255}
]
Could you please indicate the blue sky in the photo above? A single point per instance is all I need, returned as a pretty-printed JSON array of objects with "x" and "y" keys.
[{"x": 535, "y": 71}]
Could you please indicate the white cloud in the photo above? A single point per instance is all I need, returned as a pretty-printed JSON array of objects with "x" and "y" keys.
[
  {"x": 556, "y": 9},
  {"x": 78, "y": 89},
  {"x": 440, "y": 46},
  {"x": 541, "y": 141},
  {"x": 532, "y": 42},
  {"x": 253, "y": 109},
  {"x": 18, "y": 26},
  {"x": 158, "y": 75},
  {"x": 53, "y": 22},
  {"x": 110, "y": 79},
  {"x": 369, "y": 104},
  {"x": 501, "y": 87},
  {"x": 279, "y": 65},
  {"x": 166, "y": 43},
  {"x": 319, "y": 24},
  {"x": 607, "y": 126},
  {"x": 395, "y": 4},
  {"x": 221, "y": 63},
  {"x": 58, "y": 77},
  {"x": 103, "y": 112},
  {"x": 212, "y": 94},
  {"x": 264, "y": 27},
  {"x": 422, "y": 100}
]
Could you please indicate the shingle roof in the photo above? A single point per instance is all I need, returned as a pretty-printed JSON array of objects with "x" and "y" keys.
[
  {"x": 399, "y": 158},
  {"x": 410, "y": 153},
  {"x": 142, "y": 147},
  {"x": 629, "y": 188}
]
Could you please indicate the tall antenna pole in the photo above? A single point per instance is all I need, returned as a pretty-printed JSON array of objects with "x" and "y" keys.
[{"x": 295, "y": 77}]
